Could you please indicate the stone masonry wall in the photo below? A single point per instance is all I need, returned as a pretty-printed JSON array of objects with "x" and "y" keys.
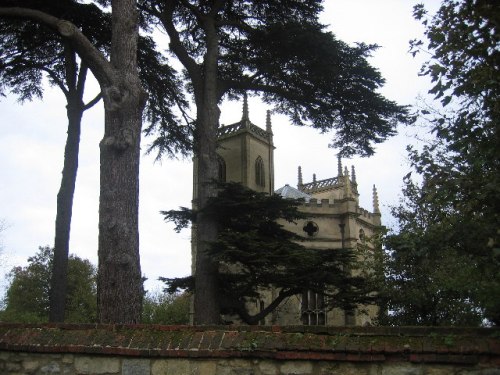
[{"x": 183, "y": 350}]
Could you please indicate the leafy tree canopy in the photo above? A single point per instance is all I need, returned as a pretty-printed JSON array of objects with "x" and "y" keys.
[
  {"x": 432, "y": 274},
  {"x": 464, "y": 40},
  {"x": 444, "y": 263},
  {"x": 30, "y": 49},
  {"x": 165, "y": 308},
  {"x": 27, "y": 297},
  {"x": 255, "y": 251}
]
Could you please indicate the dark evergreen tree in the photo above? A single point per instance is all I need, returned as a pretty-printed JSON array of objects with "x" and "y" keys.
[
  {"x": 30, "y": 50},
  {"x": 120, "y": 288},
  {"x": 279, "y": 50},
  {"x": 255, "y": 252},
  {"x": 28, "y": 53}
]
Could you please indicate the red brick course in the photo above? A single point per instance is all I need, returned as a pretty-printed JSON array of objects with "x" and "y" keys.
[{"x": 355, "y": 344}]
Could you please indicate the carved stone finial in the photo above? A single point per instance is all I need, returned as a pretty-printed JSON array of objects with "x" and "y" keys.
[
  {"x": 353, "y": 174},
  {"x": 376, "y": 208},
  {"x": 269, "y": 128},
  {"x": 314, "y": 177},
  {"x": 339, "y": 163},
  {"x": 347, "y": 184},
  {"x": 300, "y": 184},
  {"x": 245, "y": 116}
]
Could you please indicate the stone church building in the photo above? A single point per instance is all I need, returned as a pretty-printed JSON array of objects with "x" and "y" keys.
[{"x": 335, "y": 219}]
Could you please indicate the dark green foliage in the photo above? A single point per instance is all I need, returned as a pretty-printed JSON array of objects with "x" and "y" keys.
[
  {"x": 280, "y": 51},
  {"x": 255, "y": 251},
  {"x": 30, "y": 50},
  {"x": 164, "y": 95},
  {"x": 323, "y": 82},
  {"x": 432, "y": 274},
  {"x": 464, "y": 38},
  {"x": 444, "y": 264},
  {"x": 164, "y": 308},
  {"x": 27, "y": 297}
]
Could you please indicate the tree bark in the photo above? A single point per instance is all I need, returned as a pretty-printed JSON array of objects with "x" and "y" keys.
[
  {"x": 207, "y": 94},
  {"x": 64, "y": 212},
  {"x": 75, "y": 82},
  {"x": 119, "y": 283},
  {"x": 206, "y": 296}
]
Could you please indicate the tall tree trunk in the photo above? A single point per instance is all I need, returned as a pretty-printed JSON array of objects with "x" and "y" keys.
[
  {"x": 119, "y": 284},
  {"x": 58, "y": 284},
  {"x": 206, "y": 298},
  {"x": 75, "y": 82}
]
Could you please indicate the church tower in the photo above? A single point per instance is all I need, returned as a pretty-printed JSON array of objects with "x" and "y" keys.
[
  {"x": 246, "y": 153},
  {"x": 334, "y": 218}
]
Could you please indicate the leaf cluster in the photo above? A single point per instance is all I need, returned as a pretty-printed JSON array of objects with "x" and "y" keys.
[
  {"x": 165, "y": 101},
  {"x": 431, "y": 264},
  {"x": 163, "y": 308},
  {"x": 464, "y": 40},
  {"x": 27, "y": 297}
]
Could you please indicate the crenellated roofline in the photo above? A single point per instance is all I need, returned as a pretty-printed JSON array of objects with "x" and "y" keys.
[{"x": 242, "y": 126}]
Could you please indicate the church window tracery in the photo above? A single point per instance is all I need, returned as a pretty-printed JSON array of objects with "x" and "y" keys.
[
  {"x": 313, "y": 309},
  {"x": 311, "y": 228},
  {"x": 260, "y": 177},
  {"x": 221, "y": 164},
  {"x": 362, "y": 236}
]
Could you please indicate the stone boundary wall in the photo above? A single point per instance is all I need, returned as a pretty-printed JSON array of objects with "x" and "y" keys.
[{"x": 227, "y": 350}]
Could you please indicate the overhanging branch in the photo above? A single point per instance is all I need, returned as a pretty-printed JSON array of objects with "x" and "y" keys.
[{"x": 100, "y": 67}]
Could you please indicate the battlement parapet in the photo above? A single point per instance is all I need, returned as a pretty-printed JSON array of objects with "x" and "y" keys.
[
  {"x": 232, "y": 129},
  {"x": 365, "y": 213},
  {"x": 335, "y": 206},
  {"x": 314, "y": 203},
  {"x": 327, "y": 184},
  {"x": 320, "y": 185}
]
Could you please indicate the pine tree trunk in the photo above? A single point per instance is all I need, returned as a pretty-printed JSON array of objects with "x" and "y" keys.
[
  {"x": 119, "y": 287},
  {"x": 119, "y": 283},
  {"x": 206, "y": 303},
  {"x": 206, "y": 296},
  {"x": 58, "y": 284}
]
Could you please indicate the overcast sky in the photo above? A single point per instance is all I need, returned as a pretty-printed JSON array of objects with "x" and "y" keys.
[{"x": 32, "y": 138}]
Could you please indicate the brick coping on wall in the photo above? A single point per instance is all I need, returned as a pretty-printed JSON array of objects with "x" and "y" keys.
[{"x": 356, "y": 344}]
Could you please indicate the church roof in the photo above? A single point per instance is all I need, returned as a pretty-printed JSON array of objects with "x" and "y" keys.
[{"x": 288, "y": 191}]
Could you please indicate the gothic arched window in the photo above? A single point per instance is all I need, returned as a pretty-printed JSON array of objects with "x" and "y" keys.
[
  {"x": 260, "y": 177},
  {"x": 221, "y": 164},
  {"x": 313, "y": 309},
  {"x": 362, "y": 236}
]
